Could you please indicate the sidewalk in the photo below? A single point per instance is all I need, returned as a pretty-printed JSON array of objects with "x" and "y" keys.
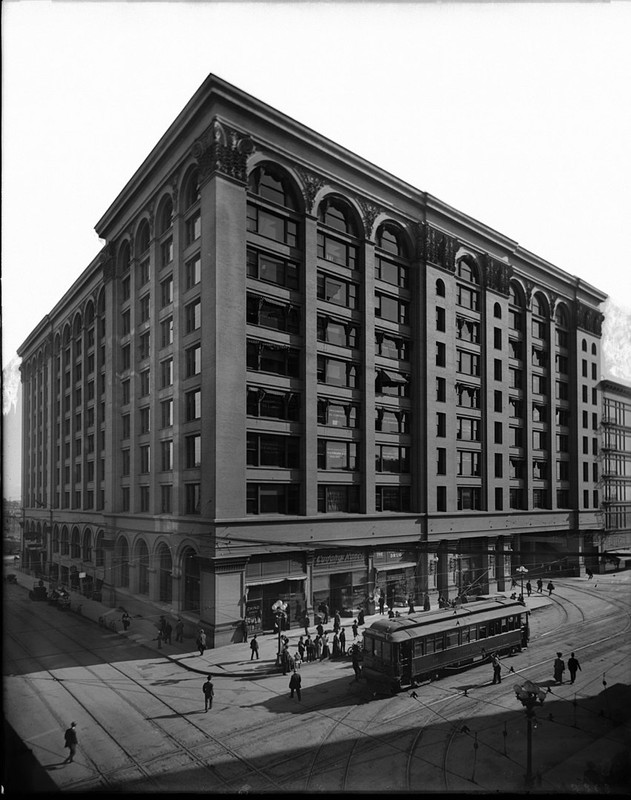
[{"x": 234, "y": 659}]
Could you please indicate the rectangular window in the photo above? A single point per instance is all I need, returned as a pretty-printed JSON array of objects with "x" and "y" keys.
[
  {"x": 193, "y": 316},
  {"x": 166, "y": 407},
  {"x": 467, "y": 330},
  {"x": 441, "y": 390},
  {"x": 440, "y": 354},
  {"x": 441, "y": 424},
  {"x": 125, "y": 356},
  {"x": 277, "y": 359},
  {"x": 441, "y": 498},
  {"x": 497, "y": 338},
  {"x": 440, "y": 318},
  {"x": 467, "y": 298},
  {"x": 538, "y": 384},
  {"x": 497, "y": 369},
  {"x": 272, "y": 269},
  {"x": 145, "y": 416},
  {"x": 193, "y": 451},
  {"x": 193, "y": 358},
  {"x": 469, "y": 498},
  {"x": 389, "y": 272},
  {"x": 269, "y": 450},
  {"x": 193, "y": 228},
  {"x": 143, "y": 273},
  {"x": 468, "y": 363},
  {"x": 166, "y": 251},
  {"x": 193, "y": 405},
  {"x": 391, "y": 309},
  {"x": 166, "y": 291},
  {"x": 125, "y": 288},
  {"x": 192, "y": 498},
  {"x": 338, "y": 251},
  {"x": 166, "y": 499},
  {"x": 166, "y": 332},
  {"x": 497, "y": 401},
  {"x": 390, "y": 458},
  {"x": 193, "y": 270},
  {"x": 144, "y": 307},
  {"x": 441, "y": 461},
  {"x": 145, "y": 382},
  {"x": 392, "y": 498},
  {"x": 339, "y": 498},
  {"x": 271, "y": 314},
  {"x": 272, "y": 498},
  {"x": 337, "y": 373},
  {"x": 166, "y": 448},
  {"x": 498, "y": 433},
  {"x": 498, "y": 465},
  {"x": 125, "y": 322},
  {"x": 144, "y": 348},
  {"x": 539, "y": 440},
  {"x": 516, "y": 438},
  {"x": 540, "y": 498},
  {"x": 468, "y": 463},
  {"x": 468, "y": 429},
  {"x": 274, "y": 405},
  {"x": 334, "y": 455},
  {"x": 166, "y": 373},
  {"x": 272, "y": 226},
  {"x": 145, "y": 458},
  {"x": 341, "y": 293}
]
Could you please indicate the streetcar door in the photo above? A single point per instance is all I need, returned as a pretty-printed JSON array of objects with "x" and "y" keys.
[{"x": 405, "y": 662}]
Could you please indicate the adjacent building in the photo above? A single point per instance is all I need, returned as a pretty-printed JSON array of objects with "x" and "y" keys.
[{"x": 290, "y": 375}]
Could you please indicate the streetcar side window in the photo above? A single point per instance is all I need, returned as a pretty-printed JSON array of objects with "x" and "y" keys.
[
  {"x": 429, "y": 644},
  {"x": 482, "y": 632},
  {"x": 386, "y": 652},
  {"x": 505, "y": 624},
  {"x": 451, "y": 639},
  {"x": 439, "y": 643},
  {"x": 419, "y": 649}
]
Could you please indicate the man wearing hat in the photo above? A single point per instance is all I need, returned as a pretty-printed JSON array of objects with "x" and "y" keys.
[
  {"x": 71, "y": 741},
  {"x": 559, "y": 668}
]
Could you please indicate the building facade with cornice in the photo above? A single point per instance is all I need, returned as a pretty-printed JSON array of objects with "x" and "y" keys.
[{"x": 290, "y": 375}]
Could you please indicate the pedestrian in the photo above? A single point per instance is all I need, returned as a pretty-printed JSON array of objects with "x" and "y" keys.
[
  {"x": 325, "y": 647},
  {"x": 125, "y": 619},
  {"x": 162, "y": 624},
  {"x": 201, "y": 641},
  {"x": 301, "y": 648},
  {"x": 320, "y": 630},
  {"x": 590, "y": 575},
  {"x": 497, "y": 668},
  {"x": 179, "y": 630},
  {"x": 306, "y": 622},
  {"x": 167, "y": 632},
  {"x": 244, "y": 629},
  {"x": 411, "y": 609},
  {"x": 355, "y": 661},
  {"x": 559, "y": 668},
  {"x": 284, "y": 659},
  {"x": 442, "y": 603},
  {"x": 550, "y": 587},
  {"x": 573, "y": 665},
  {"x": 318, "y": 647},
  {"x": 209, "y": 693},
  {"x": 310, "y": 648},
  {"x": 539, "y": 585},
  {"x": 529, "y": 588},
  {"x": 254, "y": 648},
  {"x": 391, "y": 613},
  {"x": 70, "y": 737},
  {"x": 294, "y": 684},
  {"x": 325, "y": 613},
  {"x": 360, "y": 616},
  {"x": 159, "y": 639},
  {"x": 382, "y": 602},
  {"x": 336, "y": 645},
  {"x": 336, "y": 621},
  {"x": 426, "y": 604},
  {"x": 354, "y": 628},
  {"x": 342, "y": 642}
]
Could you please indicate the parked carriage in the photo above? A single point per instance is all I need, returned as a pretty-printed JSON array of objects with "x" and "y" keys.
[{"x": 407, "y": 650}]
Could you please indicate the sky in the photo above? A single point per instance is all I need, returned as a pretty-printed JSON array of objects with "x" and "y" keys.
[{"x": 516, "y": 114}]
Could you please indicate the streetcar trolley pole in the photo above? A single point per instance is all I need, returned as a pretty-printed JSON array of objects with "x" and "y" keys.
[{"x": 529, "y": 695}]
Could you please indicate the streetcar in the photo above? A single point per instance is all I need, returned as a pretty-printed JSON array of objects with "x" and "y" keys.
[{"x": 405, "y": 651}]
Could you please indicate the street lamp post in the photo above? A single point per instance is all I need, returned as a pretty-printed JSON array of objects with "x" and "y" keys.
[
  {"x": 529, "y": 695},
  {"x": 279, "y": 608},
  {"x": 522, "y": 571}
]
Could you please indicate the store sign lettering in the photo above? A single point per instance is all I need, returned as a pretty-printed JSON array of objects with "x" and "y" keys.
[{"x": 338, "y": 558}]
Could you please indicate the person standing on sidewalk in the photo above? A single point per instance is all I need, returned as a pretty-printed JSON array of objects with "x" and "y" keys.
[
  {"x": 70, "y": 738},
  {"x": 294, "y": 684},
  {"x": 306, "y": 622},
  {"x": 125, "y": 619},
  {"x": 179, "y": 630},
  {"x": 244, "y": 629},
  {"x": 201, "y": 641},
  {"x": 497, "y": 668},
  {"x": 325, "y": 647},
  {"x": 254, "y": 648},
  {"x": 354, "y": 627},
  {"x": 342, "y": 642},
  {"x": 529, "y": 588},
  {"x": 559, "y": 668},
  {"x": 382, "y": 601},
  {"x": 539, "y": 585},
  {"x": 573, "y": 665},
  {"x": 209, "y": 693},
  {"x": 167, "y": 632},
  {"x": 355, "y": 661}
]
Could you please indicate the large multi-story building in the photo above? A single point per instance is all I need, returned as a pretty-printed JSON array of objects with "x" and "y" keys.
[
  {"x": 612, "y": 547},
  {"x": 290, "y": 375}
]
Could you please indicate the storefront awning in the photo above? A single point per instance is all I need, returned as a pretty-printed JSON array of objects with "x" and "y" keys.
[
  {"x": 265, "y": 581},
  {"x": 618, "y": 553},
  {"x": 400, "y": 565}
]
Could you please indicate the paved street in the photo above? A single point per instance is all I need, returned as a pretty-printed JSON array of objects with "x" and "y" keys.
[{"x": 142, "y": 726}]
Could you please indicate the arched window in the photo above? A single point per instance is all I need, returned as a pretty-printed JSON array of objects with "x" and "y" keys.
[
  {"x": 391, "y": 270},
  {"x": 515, "y": 309},
  {"x": 594, "y": 350},
  {"x": 142, "y": 238},
  {"x": 99, "y": 552},
  {"x": 165, "y": 569},
  {"x": 191, "y": 191},
  {"x": 584, "y": 345},
  {"x": 121, "y": 562},
  {"x": 273, "y": 184},
  {"x": 142, "y": 559},
  {"x": 190, "y": 572},
  {"x": 124, "y": 257},
  {"x": 497, "y": 311},
  {"x": 539, "y": 305},
  {"x": 390, "y": 238},
  {"x": 440, "y": 288},
  {"x": 75, "y": 544},
  {"x": 515, "y": 297},
  {"x": 65, "y": 544},
  {"x": 467, "y": 270},
  {"x": 336, "y": 213},
  {"x": 561, "y": 316},
  {"x": 87, "y": 545},
  {"x": 165, "y": 218},
  {"x": 56, "y": 539}
]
